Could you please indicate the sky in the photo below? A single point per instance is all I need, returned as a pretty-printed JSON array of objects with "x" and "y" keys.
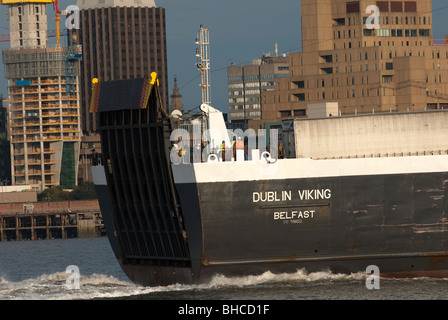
[{"x": 240, "y": 30}]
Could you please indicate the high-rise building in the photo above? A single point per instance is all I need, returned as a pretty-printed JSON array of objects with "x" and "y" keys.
[
  {"x": 394, "y": 66},
  {"x": 247, "y": 83},
  {"x": 43, "y": 104},
  {"x": 122, "y": 39}
]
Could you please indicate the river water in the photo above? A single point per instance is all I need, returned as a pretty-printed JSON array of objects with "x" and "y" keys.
[{"x": 36, "y": 270}]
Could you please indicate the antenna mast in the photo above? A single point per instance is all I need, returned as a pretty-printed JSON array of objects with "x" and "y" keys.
[{"x": 203, "y": 40}]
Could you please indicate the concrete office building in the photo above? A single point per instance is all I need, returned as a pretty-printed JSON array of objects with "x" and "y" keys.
[
  {"x": 247, "y": 83},
  {"x": 122, "y": 39},
  {"x": 397, "y": 67},
  {"x": 43, "y": 106}
]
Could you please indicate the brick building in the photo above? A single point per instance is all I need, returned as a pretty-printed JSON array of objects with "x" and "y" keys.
[{"x": 397, "y": 67}]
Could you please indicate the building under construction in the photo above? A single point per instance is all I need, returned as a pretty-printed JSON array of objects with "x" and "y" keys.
[{"x": 43, "y": 104}]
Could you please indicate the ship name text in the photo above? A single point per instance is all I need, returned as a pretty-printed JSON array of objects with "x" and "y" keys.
[{"x": 281, "y": 196}]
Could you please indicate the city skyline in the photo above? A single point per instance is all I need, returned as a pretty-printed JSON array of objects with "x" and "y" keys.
[{"x": 239, "y": 32}]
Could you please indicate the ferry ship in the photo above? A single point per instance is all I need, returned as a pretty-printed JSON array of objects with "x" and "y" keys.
[{"x": 183, "y": 222}]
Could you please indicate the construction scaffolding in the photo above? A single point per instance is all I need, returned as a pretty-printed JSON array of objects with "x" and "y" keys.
[{"x": 43, "y": 105}]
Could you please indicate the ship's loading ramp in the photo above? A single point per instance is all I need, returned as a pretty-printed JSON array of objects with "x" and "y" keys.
[
  {"x": 373, "y": 135},
  {"x": 135, "y": 134}
]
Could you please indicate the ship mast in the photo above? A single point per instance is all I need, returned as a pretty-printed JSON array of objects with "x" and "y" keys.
[{"x": 203, "y": 40}]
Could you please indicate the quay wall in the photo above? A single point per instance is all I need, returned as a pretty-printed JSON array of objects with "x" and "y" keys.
[
  {"x": 49, "y": 207},
  {"x": 50, "y": 220}
]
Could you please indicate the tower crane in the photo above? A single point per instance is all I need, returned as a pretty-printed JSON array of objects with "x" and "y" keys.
[{"x": 57, "y": 18}]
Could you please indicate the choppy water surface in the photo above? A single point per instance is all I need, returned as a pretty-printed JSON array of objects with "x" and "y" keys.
[{"x": 37, "y": 270}]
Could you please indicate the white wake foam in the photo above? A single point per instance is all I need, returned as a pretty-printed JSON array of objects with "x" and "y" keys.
[{"x": 53, "y": 286}]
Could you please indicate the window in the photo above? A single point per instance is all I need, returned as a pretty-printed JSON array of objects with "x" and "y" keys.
[
  {"x": 352, "y": 7},
  {"x": 299, "y": 96},
  {"x": 397, "y": 32},
  {"x": 411, "y": 32},
  {"x": 387, "y": 79},
  {"x": 299, "y": 84},
  {"x": 410, "y": 6},
  {"x": 383, "y": 32},
  {"x": 368, "y": 32},
  {"x": 424, "y": 32},
  {"x": 299, "y": 113},
  {"x": 285, "y": 114},
  {"x": 396, "y": 6}
]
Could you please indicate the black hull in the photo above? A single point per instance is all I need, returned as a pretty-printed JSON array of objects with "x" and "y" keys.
[
  {"x": 183, "y": 224},
  {"x": 396, "y": 222}
]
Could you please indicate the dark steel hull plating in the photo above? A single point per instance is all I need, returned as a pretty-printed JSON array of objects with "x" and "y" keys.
[{"x": 396, "y": 222}]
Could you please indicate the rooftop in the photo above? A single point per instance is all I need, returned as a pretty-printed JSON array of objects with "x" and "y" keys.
[{"x": 92, "y": 4}]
